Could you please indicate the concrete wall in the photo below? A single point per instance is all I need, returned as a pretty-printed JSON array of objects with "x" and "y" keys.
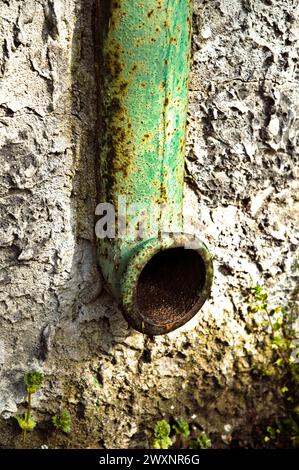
[{"x": 240, "y": 193}]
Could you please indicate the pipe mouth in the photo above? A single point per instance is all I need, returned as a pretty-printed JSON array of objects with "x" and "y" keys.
[{"x": 166, "y": 282}]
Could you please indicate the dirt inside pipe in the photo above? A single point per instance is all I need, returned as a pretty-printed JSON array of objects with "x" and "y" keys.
[{"x": 169, "y": 285}]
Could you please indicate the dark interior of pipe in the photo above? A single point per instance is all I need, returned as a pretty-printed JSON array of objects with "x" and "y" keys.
[{"x": 169, "y": 285}]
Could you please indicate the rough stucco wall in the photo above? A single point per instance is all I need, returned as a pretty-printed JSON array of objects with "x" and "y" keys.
[{"x": 240, "y": 192}]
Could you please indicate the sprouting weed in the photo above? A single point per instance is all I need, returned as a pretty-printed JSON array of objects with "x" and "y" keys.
[
  {"x": 161, "y": 435},
  {"x": 277, "y": 325},
  {"x": 179, "y": 436},
  {"x": 62, "y": 421},
  {"x": 33, "y": 382},
  {"x": 181, "y": 427},
  {"x": 201, "y": 442}
]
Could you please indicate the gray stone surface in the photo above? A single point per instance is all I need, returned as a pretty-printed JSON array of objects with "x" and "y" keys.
[{"x": 241, "y": 198}]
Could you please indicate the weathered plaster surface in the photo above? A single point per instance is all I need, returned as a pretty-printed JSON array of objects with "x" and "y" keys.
[{"x": 241, "y": 197}]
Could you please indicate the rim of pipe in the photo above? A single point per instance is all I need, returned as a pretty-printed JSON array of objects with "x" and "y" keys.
[{"x": 149, "y": 286}]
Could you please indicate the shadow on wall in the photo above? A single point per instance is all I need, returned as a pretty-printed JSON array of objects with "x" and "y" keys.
[{"x": 80, "y": 304}]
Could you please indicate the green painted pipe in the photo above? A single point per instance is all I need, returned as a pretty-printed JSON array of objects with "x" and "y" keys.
[{"x": 160, "y": 276}]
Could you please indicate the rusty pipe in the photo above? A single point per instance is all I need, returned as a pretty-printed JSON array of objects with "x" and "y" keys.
[{"x": 161, "y": 277}]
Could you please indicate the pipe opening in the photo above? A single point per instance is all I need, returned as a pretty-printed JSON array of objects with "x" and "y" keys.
[{"x": 169, "y": 285}]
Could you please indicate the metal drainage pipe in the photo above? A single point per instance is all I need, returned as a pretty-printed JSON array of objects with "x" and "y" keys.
[{"x": 162, "y": 278}]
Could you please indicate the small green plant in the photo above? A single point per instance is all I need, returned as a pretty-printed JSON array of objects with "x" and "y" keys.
[
  {"x": 277, "y": 325},
  {"x": 272, "y": 434},
  {"x": 201, "y": 442},
  {"x": 33, "y": 381},
  {"x": 182, "y": 432},
  {"x": 181, "y": 428},
  {"x": 161, "y": 435},
  {"x": 62, "y": 421},
  {"x": 179, "y": 436}
]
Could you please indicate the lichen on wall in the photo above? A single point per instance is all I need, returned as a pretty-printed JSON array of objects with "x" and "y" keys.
[{"x": 241, "y": 197}]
